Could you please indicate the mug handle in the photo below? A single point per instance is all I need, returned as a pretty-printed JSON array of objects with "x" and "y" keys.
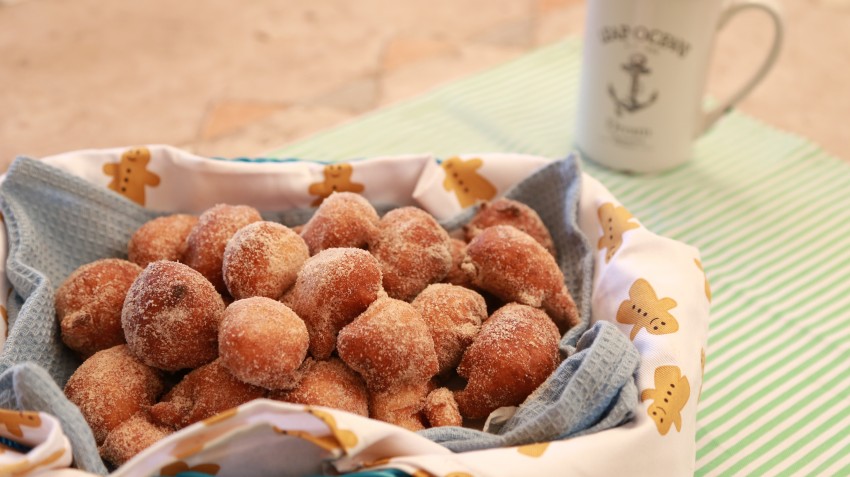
[{"x": 737, "y": 6}]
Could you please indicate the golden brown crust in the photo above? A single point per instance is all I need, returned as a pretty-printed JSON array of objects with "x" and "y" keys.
[
  {"x": 329, "y": 383},
  {"x": 332, "y": 288},
  {"x": 441, "y": 409},
  {"x": 171, "y": 317},
  {"x": 389, "y": 345},
  {"x": 206, "y": 242},
  {"x": 511, "y": 265},
  {"x": 504, "y": 211},
  {"x": 110, "y": 387},
  {"x": 453, "y": 315},
  {"x": 402, "y": 405},
  {"x": 262, "y": 259},
  {"x": 202, "y": 394},
  {"x": 131, "y": 437},
  {"x": 344, "y": 219},
  {"x": 498, "y": 371},
  {"x": 89, "y": 302},
  {"x": 163, "y": 238},
  {"x": 262, "y": 342},
  {"x": 413, "y": 250}
]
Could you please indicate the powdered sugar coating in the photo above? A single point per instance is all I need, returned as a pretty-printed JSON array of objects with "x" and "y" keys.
[
  {"x": 131, "y": 437},
  {"x": 329, "y": 383},
  {"x": 163, "y": 238},
  {"x": 110, "y": 387},
  {"x": 515, "y": 351},
  {"x": 171, "y": 317},
  {"x": 413, "y": 250},
  {"x": 206, "y": 243},
  {"x": 262, "y": 342},
  {"x": 344, "y": 219},
  {"x": 262, "y": 259},
  {"x": 511, "y": 265},
  {"x": 402, "y": 405},
  {"x": 505, "y": 211},
  {"x": 389, "y": 345},
  {"x": 89, "y": 302},
  {"x": 332, "y": 288},
  {"x": 453, "y": 315},
  {"x": 441, "y": 409},
  {"x": 202, "y": 394}
]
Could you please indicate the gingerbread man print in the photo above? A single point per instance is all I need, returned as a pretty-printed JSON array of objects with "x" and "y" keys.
[
  {"x": 14, "y": 420},
  {"x": 669, "y": 397},
  {"x": 645, "y": 310},
  {"x": 337, "y": 179},
  {"x": 346, "y": 438},
  {"x": 130, "y": 175},
  {"x": 467, "y": 184},
  {"x": 615, "y": 222}
]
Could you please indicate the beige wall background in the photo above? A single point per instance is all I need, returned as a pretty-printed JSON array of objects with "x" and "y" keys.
[{"x": 229, "y": 78}]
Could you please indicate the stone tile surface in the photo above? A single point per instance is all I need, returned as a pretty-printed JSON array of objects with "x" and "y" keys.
[{"x": 229, "y": 78}]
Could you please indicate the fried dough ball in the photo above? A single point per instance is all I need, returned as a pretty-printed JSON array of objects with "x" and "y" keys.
[
  {"x": 131, "y": 437},
  {"x": 402, "y": 405},
  {"x": 516, "y": 350},
  {"x": 344, "y": 219},
  {"x": 202, "y": 394},
  {"x": 441, "y": 409},
  {"x": 456, "y": 275},
  {"x": 88, "y": 304},
  {"x": 262, "y": 259},
  {"x": 171, "y": 317},
  {"x": 262, "y": 342},
  {"x": 206, "y": 243},
  {"x": 511, "y": 265},
  {"x": 163, "y": 238},
  {"x": 110, "y": 387},
  {"x": 329, "y": 383},
  {"x": 413, "y": 250},
  {"x": 389, "y": 345},
  {"x": 453, "y": 315},
  {"x": 332, "y": 288},
  {"x": 504, "y": 211}
]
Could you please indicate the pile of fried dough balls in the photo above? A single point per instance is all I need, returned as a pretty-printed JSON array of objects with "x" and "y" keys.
[{"x": 386, "y": 317}]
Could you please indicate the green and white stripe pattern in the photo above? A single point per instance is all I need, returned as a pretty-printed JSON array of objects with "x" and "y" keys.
[{"x": 769, "y": 211}]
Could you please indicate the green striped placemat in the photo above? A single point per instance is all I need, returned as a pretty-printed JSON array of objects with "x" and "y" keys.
[{"x": 767, "y": 209}]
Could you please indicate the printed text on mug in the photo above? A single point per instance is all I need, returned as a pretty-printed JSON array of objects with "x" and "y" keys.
[{"x": 642, "y": 34}]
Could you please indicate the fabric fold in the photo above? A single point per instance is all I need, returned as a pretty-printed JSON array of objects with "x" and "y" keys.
[{"x": 27, "y": 386}]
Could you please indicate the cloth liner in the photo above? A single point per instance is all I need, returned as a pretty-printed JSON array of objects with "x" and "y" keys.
[{"x": 57, "y": 222}]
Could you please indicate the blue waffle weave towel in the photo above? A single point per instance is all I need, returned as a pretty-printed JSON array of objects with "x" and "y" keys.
[{"x": 57, "y": 222}]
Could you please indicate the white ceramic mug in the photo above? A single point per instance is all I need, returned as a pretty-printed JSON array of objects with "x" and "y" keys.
[{"x": 644, "y": 70}]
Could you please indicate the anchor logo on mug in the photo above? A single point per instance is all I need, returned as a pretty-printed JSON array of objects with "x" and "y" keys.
[
  {"x": 635, "y": 68},
  {"x": 643, "y": 78}
]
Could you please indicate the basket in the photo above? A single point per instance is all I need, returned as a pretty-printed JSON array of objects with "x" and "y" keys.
[{"x": 626, "y": 280}]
